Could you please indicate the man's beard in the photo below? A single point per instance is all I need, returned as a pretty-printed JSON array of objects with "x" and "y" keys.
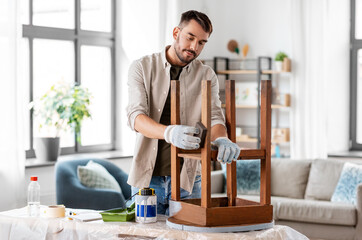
[{"x": 181, "y": 57}]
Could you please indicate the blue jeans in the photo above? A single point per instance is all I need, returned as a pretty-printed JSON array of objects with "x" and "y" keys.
[{"x": 162, "y": 186}]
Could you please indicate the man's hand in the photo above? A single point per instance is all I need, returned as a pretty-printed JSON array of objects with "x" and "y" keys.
[
  {"x": 227, "y": 150},
  {"x": 179, "y": 136}
]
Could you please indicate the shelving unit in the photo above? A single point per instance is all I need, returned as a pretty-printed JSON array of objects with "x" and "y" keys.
[{"x": 259, "y": 69}]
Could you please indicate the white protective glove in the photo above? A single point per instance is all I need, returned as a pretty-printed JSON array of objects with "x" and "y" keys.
[
  {"x": 227, "y": 150},
  {"x": 179, "y": 136}
]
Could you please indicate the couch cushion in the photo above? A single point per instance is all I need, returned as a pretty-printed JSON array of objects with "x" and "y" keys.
[
  {"x": 275, "y": 201},
  {"x": 94, "y": 175},
  {"x": 346, "y": 189},
  {"x": 289, "y": 177},
  {"x": 247, "y": 176},
  {"x": 217, "y": 181},
  {"x": 323, "y": 179},
  {"x": 317, "y": 212},
  {"x": 313, "y": 211}
]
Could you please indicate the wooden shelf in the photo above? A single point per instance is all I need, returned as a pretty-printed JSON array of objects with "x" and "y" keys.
[
  {"x": 244, "y": 154},
  {"x": 254, "y": 140},
  {"x": 273, "y": 72},
  {"x": 280, "y": 142},
  {"x": 195, "y": 156},
  {"x": 237, "y": 72},
  {"x": 274, "y": 106},
  {"x": 277, "y": 106},
  {"x": 249, "y": 72}
]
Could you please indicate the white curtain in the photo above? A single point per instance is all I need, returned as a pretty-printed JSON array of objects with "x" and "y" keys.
[
  {"x": 143, "y": 27},
  {"x": 316, "y": 49},
  {"x": 12, "y": 154}
]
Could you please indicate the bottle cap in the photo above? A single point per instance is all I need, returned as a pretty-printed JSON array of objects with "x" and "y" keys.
[
  {"x": 33, "y": 178},
  {"x": 146, "y": 192}
]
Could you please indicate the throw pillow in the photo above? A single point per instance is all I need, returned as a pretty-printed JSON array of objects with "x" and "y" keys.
[
  {"x": 346, "y": 189},
  {"x": 323, "y": 178},
  {"x": 247, "y": 176},
  {"x": 94, "y": 175}
]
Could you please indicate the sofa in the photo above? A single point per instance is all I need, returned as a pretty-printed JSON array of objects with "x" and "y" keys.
[
  {"x": 73, "y": 194},
  {"x": 301, "y": 197}
]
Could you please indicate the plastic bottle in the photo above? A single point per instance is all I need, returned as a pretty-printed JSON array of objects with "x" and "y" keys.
[
  {"x": 33, "y": 197},
  {"x": 146, "y": 206}
]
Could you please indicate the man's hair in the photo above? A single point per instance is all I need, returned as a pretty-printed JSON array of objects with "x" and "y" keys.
[{"x": 199, "y": 17}]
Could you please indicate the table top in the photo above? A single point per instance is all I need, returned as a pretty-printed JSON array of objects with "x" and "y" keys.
[{"x": 15, "y": 224}]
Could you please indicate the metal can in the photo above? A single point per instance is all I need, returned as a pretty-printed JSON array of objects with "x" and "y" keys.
[{"x": 146, "y": 206}]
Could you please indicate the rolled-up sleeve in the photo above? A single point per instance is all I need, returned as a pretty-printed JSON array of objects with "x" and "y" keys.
[
  {"x": 217, "y": 116},
  {"x": 137, "y": 94}
]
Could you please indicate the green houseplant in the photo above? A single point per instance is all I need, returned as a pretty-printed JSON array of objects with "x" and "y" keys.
[
  {"x": 279, "y": 58},
  {"x": 63, "y": 107}
]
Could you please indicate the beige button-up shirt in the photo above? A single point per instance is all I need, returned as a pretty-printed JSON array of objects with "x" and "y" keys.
[{"x": 148, "y": 87}]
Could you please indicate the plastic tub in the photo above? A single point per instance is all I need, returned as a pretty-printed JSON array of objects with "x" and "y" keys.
[{"x": 119, "y": 214}]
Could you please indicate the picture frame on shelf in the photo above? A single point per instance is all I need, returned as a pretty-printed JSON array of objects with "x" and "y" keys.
[
  {"x": 280, "y": 135},
  {"x": 246, "y": 93}
]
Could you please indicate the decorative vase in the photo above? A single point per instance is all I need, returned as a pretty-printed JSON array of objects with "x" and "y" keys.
[
  {"x": 278, "y": 65},
  {"x": 47, "y": 149},
  {"x": 287, "y": 65}
]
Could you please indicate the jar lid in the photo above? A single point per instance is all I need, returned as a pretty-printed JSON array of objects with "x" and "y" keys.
[
  {"x": 146, "y": 192},
  {"x": 33, "y": 178}
]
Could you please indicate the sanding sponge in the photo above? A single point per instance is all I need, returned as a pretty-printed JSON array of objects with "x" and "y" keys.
[{"x": 202, "y": 133}]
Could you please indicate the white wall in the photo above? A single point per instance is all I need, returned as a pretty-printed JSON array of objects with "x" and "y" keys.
[
  {"x": 265, "y": 26},
  {"x": 140, "y": 31},
  {"x": 262, "y": 24}
]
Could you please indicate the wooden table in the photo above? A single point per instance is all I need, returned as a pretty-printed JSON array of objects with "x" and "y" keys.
[{"x": 14, "y": 224}]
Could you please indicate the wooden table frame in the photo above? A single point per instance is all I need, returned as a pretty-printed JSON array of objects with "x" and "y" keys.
[{"x": 230, "y": 210}]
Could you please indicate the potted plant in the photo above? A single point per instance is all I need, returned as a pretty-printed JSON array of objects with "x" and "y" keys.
[
  {"x": 279, "y": 58},
  {"x": 63, "y": 107}
]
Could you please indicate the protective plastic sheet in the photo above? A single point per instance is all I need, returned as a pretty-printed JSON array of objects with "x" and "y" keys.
[{"x": 15, "y": 225}]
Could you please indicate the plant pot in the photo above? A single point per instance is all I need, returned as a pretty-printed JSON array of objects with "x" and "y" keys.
[
  {"x": 47, "y": 149},
  {"x": 278, "y": 65}
]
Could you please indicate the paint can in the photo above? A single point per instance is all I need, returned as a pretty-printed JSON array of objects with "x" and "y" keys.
[{"x": 146, "y": 206}]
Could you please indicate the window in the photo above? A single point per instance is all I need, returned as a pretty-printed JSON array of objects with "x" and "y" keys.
[
  {"x": 356, "y": 75},
  {"x": 71, "y": 41}
]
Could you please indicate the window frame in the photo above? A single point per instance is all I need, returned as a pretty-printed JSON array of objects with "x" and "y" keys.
[
  {"x": 355, "y": 45},
  {"x": 79, "y": 38}
]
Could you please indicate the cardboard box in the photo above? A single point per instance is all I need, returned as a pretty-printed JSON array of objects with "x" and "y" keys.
[{"x": 280, "y": 135}]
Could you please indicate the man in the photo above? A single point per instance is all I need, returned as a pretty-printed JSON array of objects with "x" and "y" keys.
[{"x": 148, "y": 112}]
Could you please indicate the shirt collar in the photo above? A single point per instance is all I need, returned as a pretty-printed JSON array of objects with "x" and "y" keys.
[{"x": 166, "y": 63}]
